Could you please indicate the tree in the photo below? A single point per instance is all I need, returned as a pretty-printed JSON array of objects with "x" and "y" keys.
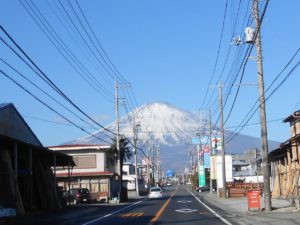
[{"x": 125, "y": 150}]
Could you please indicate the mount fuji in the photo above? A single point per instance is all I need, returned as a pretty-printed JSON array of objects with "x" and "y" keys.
[{"x": 172, "y": 129}]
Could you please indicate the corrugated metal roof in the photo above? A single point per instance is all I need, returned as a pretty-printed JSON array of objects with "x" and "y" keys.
[
  {"x": 3, "y": 105},
  {"x": 13, "y": 125}
]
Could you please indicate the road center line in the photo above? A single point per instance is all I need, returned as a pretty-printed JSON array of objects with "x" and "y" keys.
[
  {"x": 110, "y": 214},
  {"x": 158, "y": 214},
  {"x": 210, "y": 209}
]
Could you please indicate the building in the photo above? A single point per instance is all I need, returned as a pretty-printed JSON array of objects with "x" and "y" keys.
[
  {"x": 285, "y": 163},
  {"x": 27, "y": 169},
  {"x": 129, "y": 179},
  {"x": 247, "y": 166},
  {"x": 94, "y": 169}
]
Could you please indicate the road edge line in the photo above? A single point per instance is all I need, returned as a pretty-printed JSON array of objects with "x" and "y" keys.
[
  {"x": 110, "y": 214},
  {"x": 211, "y": 210}
]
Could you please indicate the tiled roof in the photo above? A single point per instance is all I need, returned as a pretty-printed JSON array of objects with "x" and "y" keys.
[
  {"x": 77, "y": 145},
  {"x": 84, "y": 174}
]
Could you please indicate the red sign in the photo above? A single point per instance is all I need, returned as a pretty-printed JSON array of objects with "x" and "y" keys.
[{"x": 253, "y": 199}]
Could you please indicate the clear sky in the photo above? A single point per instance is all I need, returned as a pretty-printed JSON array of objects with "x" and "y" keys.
[{"x": 165, "y": 49}]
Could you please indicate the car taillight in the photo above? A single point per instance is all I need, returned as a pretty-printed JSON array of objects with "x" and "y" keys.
[{"x": 77, "y": 195}]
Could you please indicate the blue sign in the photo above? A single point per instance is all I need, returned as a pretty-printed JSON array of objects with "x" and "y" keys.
[
  {"x": 206, "y": 160},
  {"x": 170, "y": 173},
  {"x": 203, "y": 140}
]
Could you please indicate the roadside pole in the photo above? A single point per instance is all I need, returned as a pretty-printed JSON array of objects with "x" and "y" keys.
[
  {"x": 135, "y": 138},
  {"x": 222, "y": 140},
  {"x": 210, "y": 148},
  {"x": 119, "y": 169},
  {"x": 263, "y": 120}
]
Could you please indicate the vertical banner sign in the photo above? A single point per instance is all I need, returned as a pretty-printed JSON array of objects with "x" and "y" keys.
[
  {"x": 213, "y": 167},
  {"x": 201, "y": 174},
  {"x": 206, "y": 160}
]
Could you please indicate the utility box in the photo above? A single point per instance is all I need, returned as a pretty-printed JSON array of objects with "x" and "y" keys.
[
  {"x": 249, "y": 31},
  {"x": 253, "y": 197}
]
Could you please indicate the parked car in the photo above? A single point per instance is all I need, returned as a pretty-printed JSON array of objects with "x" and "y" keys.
[
  {"x": 78, "y": 195},
  {"x": 155, "y": 192},
  {"x": 202, "y": 189}
]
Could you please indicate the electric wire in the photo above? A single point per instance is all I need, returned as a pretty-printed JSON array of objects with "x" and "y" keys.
[
  {"x": 49, "y": 107},
  {"x": 63, "y": 49},
  {"x": 49, "y": 81},
  {"x": 40, "y": 89},
  {"x": 267, "y": 98},
  {"x": 218, "y": 54}
]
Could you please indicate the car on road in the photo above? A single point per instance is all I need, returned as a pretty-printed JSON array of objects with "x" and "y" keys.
[
  {"x": 155, "y": 192},
  {"x": 78, "y": 195}
]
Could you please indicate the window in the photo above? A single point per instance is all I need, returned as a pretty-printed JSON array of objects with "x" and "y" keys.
[{"x": 85, "y": 161}]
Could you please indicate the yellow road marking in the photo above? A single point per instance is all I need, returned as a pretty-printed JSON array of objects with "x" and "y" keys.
[
  {"x": 158, "y": 214},
  {"x": 134, "y": 214}
]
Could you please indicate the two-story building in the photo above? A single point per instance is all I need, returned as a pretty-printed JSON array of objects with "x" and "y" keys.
[{"x": 94, "y": 169}]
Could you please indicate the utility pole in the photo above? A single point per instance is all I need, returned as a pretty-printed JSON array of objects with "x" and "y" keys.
[
  {"x": 158, "y": 163},
  {"x": 222, "y": 140},
  {"x": 153, "y": 178},
  {"x": 210, "y": 148},
  {"x": 264, "y": 136},
  {"x": 148, "y": 161},
  {"x": 135, "y": 138},
  {"x": 119, "y": 169}
]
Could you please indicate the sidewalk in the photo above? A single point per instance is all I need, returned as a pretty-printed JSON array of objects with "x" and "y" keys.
[{"x": 236, "y": 209}]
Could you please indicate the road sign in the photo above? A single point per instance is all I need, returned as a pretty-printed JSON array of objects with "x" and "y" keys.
[
  {"x": 253, "y": 197},
  {"x": 216, "y": 143}
]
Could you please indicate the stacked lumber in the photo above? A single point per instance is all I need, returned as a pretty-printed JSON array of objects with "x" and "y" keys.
[
  {"x": 237, "y": 192},
  {"x": 9, "y": 191},
  {"x": 286, "y": 176}
]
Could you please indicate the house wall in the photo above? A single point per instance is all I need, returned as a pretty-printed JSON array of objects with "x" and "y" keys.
[
  {"x": 295, "y": 128},
  {"x": 90, "y": 161}
]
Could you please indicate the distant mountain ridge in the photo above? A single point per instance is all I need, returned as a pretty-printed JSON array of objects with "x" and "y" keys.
[{"x": 171, "y": 128}]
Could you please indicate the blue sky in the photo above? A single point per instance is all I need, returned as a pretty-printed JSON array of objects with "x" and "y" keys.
[{"x": 165, "y": 49}]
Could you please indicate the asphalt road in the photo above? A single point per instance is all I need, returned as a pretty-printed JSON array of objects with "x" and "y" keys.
[{"x": 179, "y": 206}]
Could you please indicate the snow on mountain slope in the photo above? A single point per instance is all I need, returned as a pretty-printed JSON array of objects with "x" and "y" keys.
[
  {"x": 171, "y": 128},
  {"x": 165, "y": 124}
]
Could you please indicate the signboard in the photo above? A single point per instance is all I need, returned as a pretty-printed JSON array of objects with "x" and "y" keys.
[
  {"x": 196, "y": 141},
  {"x": 216, "y": 143},
  {"x": 253, "y": 197},
  {"x": 169, "y": 173},
  {"x": 201, "y": 174},
  {"x": 203, "y": 140},
  {"x": 213, "y": 167},
  {"x": 206, "y": 160},
  {"x": 228, "y": 170}
]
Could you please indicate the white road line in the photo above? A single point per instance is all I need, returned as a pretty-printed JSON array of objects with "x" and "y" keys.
[
  {"x": 110, "y": 214},
  {"x": 213, "y": 212}
]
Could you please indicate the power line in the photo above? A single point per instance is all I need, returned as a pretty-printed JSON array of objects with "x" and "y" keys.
[
  {"x": 49, "y": 107},
  {"x": 269, "y": 96},
  {"x": 62, "y": 105},
  {"x": 218, "y": 53},
  {"x": 119, "y": 75},
  {"x": 67, "y": 54},
  {"x": 243, "y": 71},
  {"x": 48, "y": 80}
]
